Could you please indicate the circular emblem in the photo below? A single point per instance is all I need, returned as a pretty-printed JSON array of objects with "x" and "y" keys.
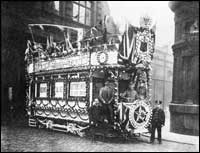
[
  {"x": 102, "y": 57},
  {"x": 140, "y": 114}
]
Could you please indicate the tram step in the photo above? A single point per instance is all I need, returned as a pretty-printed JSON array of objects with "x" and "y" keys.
[
  {"x": 32, "y": 125},
  {"x": 32, "y": 122}
]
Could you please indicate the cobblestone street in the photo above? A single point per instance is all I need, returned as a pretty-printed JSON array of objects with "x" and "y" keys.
[{"x": 31, "y": 139}]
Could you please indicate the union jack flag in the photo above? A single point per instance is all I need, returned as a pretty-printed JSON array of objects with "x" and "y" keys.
[
  {"x": 127, "y": 47},
  {"x": 137, "y": 46}
]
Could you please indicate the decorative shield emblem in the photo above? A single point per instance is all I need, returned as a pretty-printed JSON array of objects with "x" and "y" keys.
[{"x": 140, "y": 114}]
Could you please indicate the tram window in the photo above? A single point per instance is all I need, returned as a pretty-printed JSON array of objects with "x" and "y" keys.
[
  {"x": 43, "y": 90},
  {"x": 59, "y": 86},
  {"x": 77, "y": 89}
]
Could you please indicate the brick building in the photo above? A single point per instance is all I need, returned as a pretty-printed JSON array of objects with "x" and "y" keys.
[
  {"x": 15, "y": 17},
  {"x": 184, "y": 109}
]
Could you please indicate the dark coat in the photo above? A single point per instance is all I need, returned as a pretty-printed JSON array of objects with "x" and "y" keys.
[
  {"x": 158, "y": 116},
  {"x": 106, "y": 93},
  {"x": 96, "y": 114}
]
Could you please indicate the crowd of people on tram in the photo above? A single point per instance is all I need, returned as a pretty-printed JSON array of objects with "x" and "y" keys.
[{"x": 99, "y": 34}]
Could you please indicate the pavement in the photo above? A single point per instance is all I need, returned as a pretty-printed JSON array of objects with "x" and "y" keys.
[{"x": 175, "y": 137}]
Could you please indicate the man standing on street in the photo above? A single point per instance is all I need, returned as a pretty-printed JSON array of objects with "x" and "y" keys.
[
  {"x": 106, "y": 96},
  {"x": 158, "y": 120}
]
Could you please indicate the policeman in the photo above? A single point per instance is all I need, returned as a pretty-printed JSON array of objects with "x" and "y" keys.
[{"x": 158, "y": 120}]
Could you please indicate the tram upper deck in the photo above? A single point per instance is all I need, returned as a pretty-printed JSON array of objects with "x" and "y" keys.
[{"x": 65, "y": 48}]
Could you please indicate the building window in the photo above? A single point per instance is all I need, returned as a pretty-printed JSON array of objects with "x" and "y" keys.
[
  {"x": 52, "y": 7},
  {"x": 82, "y": 12},
  {"x": 57, "y": 6}
]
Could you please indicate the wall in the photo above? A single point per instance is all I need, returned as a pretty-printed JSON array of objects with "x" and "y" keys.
[
  {"x": 162, "y": 72},
  {"x": 184, "y": 109}
]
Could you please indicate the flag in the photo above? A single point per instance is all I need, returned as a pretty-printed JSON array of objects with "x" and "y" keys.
[
  {"x": 154, "y": 28},
  {"x": 68, "y": 43},
  {"x": 127, "y": 45},
  {"x": 92, "y": 31},
  {"x": 48, "y": 44},
  {"x": 41, "y": 27},
  {"x": 61, "y": 28},
  {"x": 105, "y": 29},
  {"x": 51, "y": 41}
]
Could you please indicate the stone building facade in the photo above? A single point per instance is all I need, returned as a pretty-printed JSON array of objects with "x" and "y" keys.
[
  {"x": 162, "y": 74},
  {"x": 15, "y": 17},
  {"x": 184, "y": 108}
]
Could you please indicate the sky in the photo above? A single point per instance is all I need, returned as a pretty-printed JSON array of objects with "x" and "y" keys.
[{"x": 158, "y": 10}]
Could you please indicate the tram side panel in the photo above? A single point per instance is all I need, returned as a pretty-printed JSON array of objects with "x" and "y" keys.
[{"x": 56, "y": 99}]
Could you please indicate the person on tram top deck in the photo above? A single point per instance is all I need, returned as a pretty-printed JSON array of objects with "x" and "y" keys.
[
  {"x": 106, "y": 97},
  {"x": 130, "y": 94}
]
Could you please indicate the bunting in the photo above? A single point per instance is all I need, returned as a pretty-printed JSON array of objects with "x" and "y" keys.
[{"x": 48, "y": 44}]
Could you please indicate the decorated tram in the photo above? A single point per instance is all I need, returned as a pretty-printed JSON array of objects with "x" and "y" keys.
[{"x": 66, "y": 70}]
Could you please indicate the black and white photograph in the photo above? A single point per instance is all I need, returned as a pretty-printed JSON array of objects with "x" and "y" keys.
[{"x": 99, "y": 76}]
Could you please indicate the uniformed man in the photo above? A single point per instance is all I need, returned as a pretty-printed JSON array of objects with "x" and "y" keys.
[{"x": 158, "y": 120}]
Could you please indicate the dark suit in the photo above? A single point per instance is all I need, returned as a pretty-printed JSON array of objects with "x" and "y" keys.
[
  {"x": 158, "y": 120},
  {"x": 106, "y": 96}
]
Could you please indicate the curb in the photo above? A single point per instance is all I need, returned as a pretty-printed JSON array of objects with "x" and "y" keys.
[{"x": 172, "y": 140}]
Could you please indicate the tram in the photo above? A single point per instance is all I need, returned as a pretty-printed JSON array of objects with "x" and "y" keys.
[{"x": 65, "y": 72}]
